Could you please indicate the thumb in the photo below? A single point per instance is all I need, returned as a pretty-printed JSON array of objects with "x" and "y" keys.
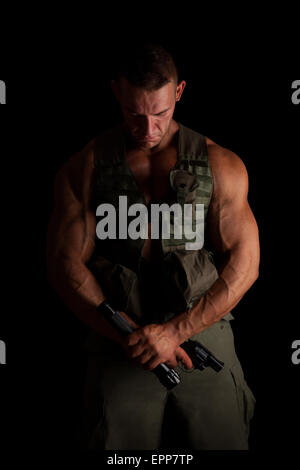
[{"x": 182, "y": 356}]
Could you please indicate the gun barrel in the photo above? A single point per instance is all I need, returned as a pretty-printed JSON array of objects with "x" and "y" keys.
[
  {"x": 215, "y": 363},
  {"x": 201, "y": 357}
]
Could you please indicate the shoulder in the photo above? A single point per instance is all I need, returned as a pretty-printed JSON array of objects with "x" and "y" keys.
[
  {"x": 223, "y": 160},
  {"x": 79, "y": 161},
  {"x": 228, "y": 170}
]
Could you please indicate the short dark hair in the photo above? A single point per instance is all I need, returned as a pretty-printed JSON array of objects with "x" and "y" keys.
[{"x": 147, "y": 65}]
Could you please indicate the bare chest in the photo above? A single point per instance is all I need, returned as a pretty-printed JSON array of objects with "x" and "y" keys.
[{"x": 152, "y": 173}]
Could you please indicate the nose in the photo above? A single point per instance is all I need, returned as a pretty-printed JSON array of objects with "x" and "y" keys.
[{"x": 147, "y": 127}]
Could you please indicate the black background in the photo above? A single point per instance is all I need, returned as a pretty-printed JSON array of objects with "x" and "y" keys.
[{"x": 56, "y": 103}]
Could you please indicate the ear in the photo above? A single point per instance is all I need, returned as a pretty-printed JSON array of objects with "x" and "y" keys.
[
  {"x": 115, "y": 88},
  {"x": 179, "y": 90}
]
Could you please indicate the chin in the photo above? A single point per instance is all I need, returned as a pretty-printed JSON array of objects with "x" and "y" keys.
[{"x": 150, "y": 145}]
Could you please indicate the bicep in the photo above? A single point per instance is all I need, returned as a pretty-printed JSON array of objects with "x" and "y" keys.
[
  {"x": 233, "y": 226},
  {"x": 72, "y": 224},
  {"x": 231, "y": 223}
]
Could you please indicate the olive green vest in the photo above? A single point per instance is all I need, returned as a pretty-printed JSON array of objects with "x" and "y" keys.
[{"x": 191, "y": 180}]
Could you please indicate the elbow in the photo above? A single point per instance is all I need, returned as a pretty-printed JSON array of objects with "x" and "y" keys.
[
  {"x": 65, "y": 272},
  {"x": 54, "y": 270},
  {"x": 249, "y": 271},
  {"x": 51, "y": 274},
  {"x": 251, "y": 265},
  {"x": 255, "y": 267},
  {"x": 253, "y": 275}
]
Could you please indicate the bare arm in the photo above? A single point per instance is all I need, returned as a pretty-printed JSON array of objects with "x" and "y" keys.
[
  {"x": 234, "y": 237},
  {"x": 70, "y": 244}
]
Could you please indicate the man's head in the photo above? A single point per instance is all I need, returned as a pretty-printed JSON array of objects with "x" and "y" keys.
[{"x": 146, "y": 85}]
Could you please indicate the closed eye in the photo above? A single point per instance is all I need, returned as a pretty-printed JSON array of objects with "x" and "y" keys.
[{"x": 132, "y": 113}]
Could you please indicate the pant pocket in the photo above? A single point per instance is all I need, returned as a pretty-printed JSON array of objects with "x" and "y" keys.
[
  {"x": 97, "y": 435},
  {"x": 245, "y": 398},
  {"x": 92, "y": 430}
]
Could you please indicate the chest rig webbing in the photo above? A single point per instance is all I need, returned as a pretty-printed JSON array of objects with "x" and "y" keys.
[{"x": 191, "y": 180}]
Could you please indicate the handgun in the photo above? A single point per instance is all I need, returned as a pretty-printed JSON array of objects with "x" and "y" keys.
[
  {"x": 167, "y": 376},
  {"x": 200, "y": 356}
]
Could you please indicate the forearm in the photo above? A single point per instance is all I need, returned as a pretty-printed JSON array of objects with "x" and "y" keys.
[
  {"x": 235, "y": 278},
  {"x": 81, "y": 292}
]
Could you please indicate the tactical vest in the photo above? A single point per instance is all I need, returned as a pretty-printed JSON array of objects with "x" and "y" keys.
[
  {"x": 151, "y": 293},
  {"x": 190, "y": 179}
]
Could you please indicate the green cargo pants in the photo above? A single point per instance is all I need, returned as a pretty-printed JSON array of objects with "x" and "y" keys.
[{"x": 126, "y": 407}]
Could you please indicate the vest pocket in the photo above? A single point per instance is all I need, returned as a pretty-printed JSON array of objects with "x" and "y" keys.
[
  {"x": 197, "y": 271},
  {"x": 184, "y": 184},
  {"x": 115, "y": 280}
]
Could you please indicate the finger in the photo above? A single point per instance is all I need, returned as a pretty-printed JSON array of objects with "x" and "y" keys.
[
  {"x": 144, "y": 358},
  {"x": 132, "y": 339},
  {"x": 154, "y": 362},
  {"x": 172, "y": 363},
  {"x": 182, "y": 356},
  {"x": 137, "y": 350}
]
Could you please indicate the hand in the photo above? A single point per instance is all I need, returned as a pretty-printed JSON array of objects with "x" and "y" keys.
[{"x": 153, "y": 344}]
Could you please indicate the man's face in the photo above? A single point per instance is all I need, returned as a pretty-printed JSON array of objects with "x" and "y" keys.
[{"x": 147, "y": 114}]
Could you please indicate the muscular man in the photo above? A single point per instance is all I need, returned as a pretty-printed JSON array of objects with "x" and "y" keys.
[{"x": 169, "y": 293}]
